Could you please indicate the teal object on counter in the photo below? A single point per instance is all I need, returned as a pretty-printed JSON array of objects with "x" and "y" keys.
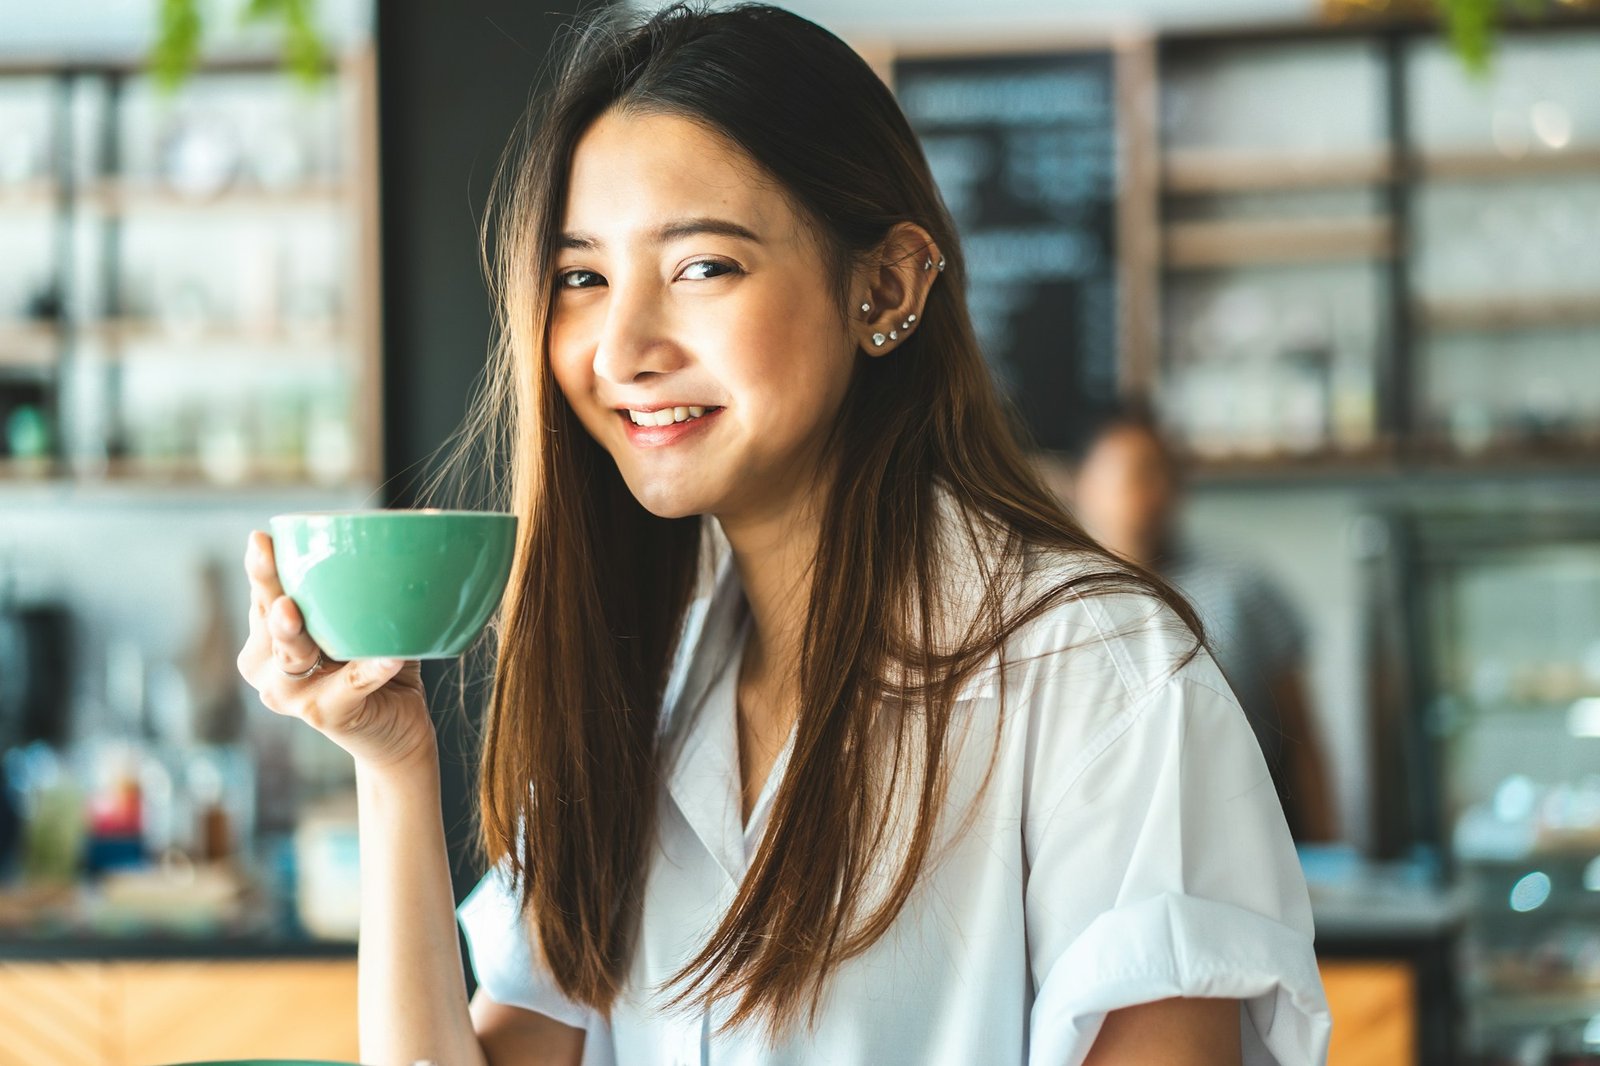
[{"x": 394, "y": 584}]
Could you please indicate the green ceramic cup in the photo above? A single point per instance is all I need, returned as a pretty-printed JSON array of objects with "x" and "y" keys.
[{"x": 394, "y": 584}]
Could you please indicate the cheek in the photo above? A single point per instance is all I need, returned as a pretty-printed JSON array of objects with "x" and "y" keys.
[
  {"x": 569, "y": 365},
  {"x": 802, "y": 363}
]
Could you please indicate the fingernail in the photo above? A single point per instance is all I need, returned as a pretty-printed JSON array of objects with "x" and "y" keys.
[{"x": 385, "y": 664}]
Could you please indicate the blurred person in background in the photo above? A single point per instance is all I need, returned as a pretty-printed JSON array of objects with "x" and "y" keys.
[{"x": 1126, "y": 488}]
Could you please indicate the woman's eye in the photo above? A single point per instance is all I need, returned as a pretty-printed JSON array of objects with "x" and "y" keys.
[
  {"x": 579, "y": 279},
  {"x": 704, "y": 269}
]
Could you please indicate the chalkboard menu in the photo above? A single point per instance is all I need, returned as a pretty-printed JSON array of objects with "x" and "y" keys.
[{"x": 1025, "y": 151}]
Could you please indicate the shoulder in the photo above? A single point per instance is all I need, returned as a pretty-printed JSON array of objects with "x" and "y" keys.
[
  {"x": 1101, "y": 631},
  {"x": 1083, "y": 674}
]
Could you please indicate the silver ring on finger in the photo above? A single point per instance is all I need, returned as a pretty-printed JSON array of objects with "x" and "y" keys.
[{"x": 308, "y": 672}]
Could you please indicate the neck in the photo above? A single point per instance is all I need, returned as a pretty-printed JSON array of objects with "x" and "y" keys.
[{"x": 773, "y": 552}]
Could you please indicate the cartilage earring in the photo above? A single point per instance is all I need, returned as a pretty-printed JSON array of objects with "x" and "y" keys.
[
  {"x": 907, "y": 323},
  {"x": 894, "y": 335},
  {"x": 877, "y": 339},
  {"x": 927, "y": 264},
  {"x": 866, "y": 309},
  {"x": 941, "y": 262}
]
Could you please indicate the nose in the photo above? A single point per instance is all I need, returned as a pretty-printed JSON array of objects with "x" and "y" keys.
[{"x": 634, "y": 339}]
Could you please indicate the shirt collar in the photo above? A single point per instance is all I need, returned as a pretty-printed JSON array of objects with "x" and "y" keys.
[{"x": 701, "y": 749}]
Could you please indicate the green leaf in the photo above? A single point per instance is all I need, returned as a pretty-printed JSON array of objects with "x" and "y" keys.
[
  {"x": 1472, "y": 26},
  {"x": 177, "y": 44},
  {"x": 179, "y": 27}
]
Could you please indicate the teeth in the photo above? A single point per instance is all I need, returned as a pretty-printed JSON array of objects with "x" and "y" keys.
[{"x": 666, "y": 416}]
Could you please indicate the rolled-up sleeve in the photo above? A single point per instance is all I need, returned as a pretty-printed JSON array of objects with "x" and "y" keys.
[
  {"x": 502, "y": 955},
  {"x": 1160, "y": 866}
]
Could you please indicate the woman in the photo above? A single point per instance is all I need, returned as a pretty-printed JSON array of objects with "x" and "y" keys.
[{"x": 819, "y": 733}]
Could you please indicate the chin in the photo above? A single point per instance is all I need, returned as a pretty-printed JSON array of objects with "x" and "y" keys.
[{"x": 667, "y": 500}]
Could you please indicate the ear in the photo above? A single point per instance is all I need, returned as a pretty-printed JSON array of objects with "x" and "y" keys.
[{"x": 893, "y": 281}]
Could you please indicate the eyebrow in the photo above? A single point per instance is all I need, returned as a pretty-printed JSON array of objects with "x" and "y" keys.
[{"x": 671, "y": 231}]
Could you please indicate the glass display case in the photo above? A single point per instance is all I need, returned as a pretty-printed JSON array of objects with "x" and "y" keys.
[{"x": 1504, "y": 613}]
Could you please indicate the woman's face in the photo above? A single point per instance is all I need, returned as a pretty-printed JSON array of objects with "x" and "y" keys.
[{"x": 686, "y": 280}]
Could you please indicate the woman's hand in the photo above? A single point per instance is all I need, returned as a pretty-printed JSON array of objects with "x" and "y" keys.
[{"x": 376, "y": 709}]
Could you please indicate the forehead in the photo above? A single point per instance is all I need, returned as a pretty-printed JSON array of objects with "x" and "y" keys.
[
  {"x": 1129, "y": 444},
  {"x": 630, "y": 171}
]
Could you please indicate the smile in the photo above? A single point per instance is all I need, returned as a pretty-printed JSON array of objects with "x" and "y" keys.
[
  {"x": 667, "y": 415},
  {"x": 671, "y": 429}
]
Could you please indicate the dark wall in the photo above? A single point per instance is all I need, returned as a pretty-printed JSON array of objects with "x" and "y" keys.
[{"x": 453, "y": 80}]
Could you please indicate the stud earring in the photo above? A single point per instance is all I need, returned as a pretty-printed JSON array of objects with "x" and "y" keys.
[
  {"x": 894, "y": 335},
  {"x": 877, "y": 339},
  {"x": 866, "y": 309}
]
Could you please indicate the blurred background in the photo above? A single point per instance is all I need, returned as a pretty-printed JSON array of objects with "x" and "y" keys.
[{"x": 1302, "y": 297}]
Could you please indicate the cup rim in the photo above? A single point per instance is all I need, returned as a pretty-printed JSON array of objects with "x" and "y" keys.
[{"x": 394, "y": 512}]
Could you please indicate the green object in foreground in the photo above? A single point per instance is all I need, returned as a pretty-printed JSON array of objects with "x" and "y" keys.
[{"x": 394, "y": 584}]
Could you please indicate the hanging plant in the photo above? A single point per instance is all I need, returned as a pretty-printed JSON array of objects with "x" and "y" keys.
[
  {"x": 1472, "y": 25},
  {"x": 180, "y": 26}
]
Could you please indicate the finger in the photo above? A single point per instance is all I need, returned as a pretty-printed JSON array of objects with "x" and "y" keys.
[
  {"x": 261, "y": 566},
  {"x": 292, "y": 646},
  {"x": 335, "y": 696}
]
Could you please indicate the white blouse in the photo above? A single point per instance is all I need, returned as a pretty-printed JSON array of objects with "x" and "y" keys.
[{"x": 1129, "y": 847}]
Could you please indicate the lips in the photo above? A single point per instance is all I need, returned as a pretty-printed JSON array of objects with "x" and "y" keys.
[{"x": 659, "y": 436}]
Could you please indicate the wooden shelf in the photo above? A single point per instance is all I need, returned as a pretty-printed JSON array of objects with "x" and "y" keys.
[
  {"x": 1243, "y": 242},
  {"x": 1317, "y": 466},
  {"x": 34, "y": 195},
  {"x": 152, "y": 331},
  {"x": 1486, "y": 164},
  {"x": 1427, "y": 459},
  {"x": 1499, "y": 313},
  {"x": 1511, "y": 453},
  {"x": 1529, "y": 1007},
  {"x": 138, "y": 475},
  {"x": 28, "y": 471},
  {"x": 28, "y": 345},
  {"x": 188, "y": 471},
  {"x": 1203, "y": 171},
  {"x": 121, "y": 197}
]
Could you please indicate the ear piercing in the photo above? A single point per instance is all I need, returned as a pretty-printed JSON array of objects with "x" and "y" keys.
[
  {"x": 929, "y": 264},
  {"x": 878, "y": 339},
  {"x": 894, "y": 334}
]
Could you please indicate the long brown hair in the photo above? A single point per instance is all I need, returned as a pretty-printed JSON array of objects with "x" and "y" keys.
[{"x": 600, "y": 587}]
